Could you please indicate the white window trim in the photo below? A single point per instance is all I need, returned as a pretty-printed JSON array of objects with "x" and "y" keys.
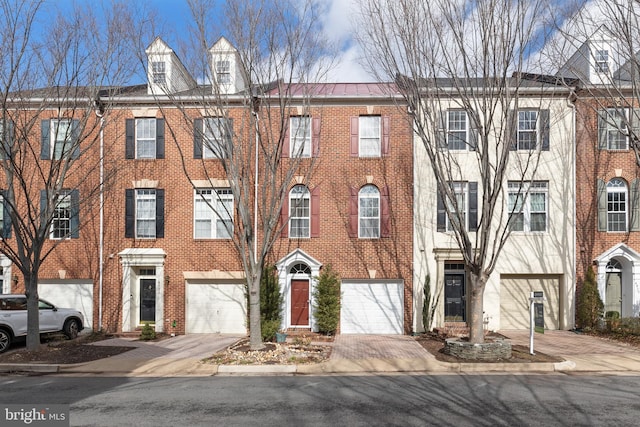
[
  {"x": 293, "y": 198},
  {"x": 140, "y": 195},
  {"x": 64, "y": 196},
  {"x": 54, "y": 136},
  {"x": 524, "y": 190},
  {"x": 216, "y": 197},
  {"x": 360, "y": 210},
  {"x": 361, "y": 140},
  {"x": 536, "y": 130},
  {"x": 459, "y": 187},
  {"x": 159, "y": 72},
  {"x": 450, "y": 131},
  {"x": 613, "y": 113},
  {"x": 138, "y": 121},
  {"x": 601, "y": 60},
  {"x": 215, "y": 127},
  {"x": 293, "y": 137},
  {"x": 624, "y": 189}
]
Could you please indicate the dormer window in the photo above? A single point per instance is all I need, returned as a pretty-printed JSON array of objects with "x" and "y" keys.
[
  {"x": 158, "y": 70},
  {"x": 223, "y": 72},
  {"x": 602, "y": 61}
]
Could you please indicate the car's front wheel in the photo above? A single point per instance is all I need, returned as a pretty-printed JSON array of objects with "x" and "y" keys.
[
  {"x": 5, "y": 340},
  {"x": 71, "y": 328}
]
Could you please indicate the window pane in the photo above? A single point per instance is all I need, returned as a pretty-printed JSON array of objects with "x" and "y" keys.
[
  {"x": 61, "y": 223},
  {"x": 145, "y": 138},
  {"x": 369, "y": 130},
  {"x": 369, "y": 212},
  {"x": 61, "y": 136},
  {"x": 299, "y": 212},
  {"x": 145, "y": 213},
  {"x": 217, "y": 137},
  {"x": 527, "y": 126},
  {"x": 300, "y": 134},
  {"x": 457, "y": 130}
]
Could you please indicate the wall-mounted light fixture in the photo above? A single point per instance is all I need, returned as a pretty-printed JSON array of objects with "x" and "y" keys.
[
  {"x": 166, "y": 279},
  {"x": 15, "y": 279}
]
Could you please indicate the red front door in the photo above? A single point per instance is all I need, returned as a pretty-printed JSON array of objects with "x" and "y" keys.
[{"x": 300, "y": 303}]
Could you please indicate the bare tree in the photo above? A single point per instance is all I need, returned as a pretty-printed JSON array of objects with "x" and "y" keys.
[
  {"x": 468, "y": 57},
  {"x": 248, "y": 84},
  {"x": 598, "y": 44},
  {"x": 52, "y": 76}
]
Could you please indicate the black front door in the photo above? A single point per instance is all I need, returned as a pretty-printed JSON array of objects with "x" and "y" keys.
[
  {"x": 454, "y": 301},
  {"x": 147, "y": 300}
]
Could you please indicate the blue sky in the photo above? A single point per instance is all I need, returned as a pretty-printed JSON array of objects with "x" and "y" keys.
[{"x": 174, "y": 16}]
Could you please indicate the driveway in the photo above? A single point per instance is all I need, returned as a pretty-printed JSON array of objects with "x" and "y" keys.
[{"x": 588, "y": 353}]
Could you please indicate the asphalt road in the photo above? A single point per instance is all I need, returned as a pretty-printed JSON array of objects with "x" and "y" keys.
[{"x": 401, "y": 400}]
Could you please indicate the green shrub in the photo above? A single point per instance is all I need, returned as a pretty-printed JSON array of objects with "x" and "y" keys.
[
  {"x": 429, "y": 305},
  {"x": 612, "y": 315},
  {"x": 271, "y": 301},
  {"x": 589, "y": 308},
  {"x": 327, "y": 301},
  {"x": 269, "y": 328},
  {"x": 148, "y": 332}
]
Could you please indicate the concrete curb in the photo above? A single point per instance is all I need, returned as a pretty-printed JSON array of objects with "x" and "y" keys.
[
  {"x": 29, "y": 367},
  {"x": 257, "y": 369}
]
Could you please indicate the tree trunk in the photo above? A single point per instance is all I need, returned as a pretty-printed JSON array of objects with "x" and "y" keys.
[
  {"x": 33, "y": 313},
  {"x": 255, "y": 329},
  {"x": 476, "y": 323}
]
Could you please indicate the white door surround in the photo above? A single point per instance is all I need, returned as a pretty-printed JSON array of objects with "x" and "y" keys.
[
  {"x": 134, "y": 260},
  {"x": 627, "y": 262},
  {"x": 287, "y": 272}
]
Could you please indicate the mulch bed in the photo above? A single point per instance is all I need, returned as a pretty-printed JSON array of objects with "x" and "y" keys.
[{"x": 57, "y": 350}]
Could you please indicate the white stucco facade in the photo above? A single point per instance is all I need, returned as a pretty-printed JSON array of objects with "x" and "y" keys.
[{"x": 528, "y": 258}]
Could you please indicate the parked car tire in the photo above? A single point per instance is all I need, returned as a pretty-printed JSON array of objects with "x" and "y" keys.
[
  {"x": 5, "y": 340},
  {"x": 71, "y": 328}
]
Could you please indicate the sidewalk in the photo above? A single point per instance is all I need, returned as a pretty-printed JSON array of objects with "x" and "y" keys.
[{"x": 352, "y": 354}]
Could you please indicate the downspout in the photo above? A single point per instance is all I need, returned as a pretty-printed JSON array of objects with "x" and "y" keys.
[
  {"x": 571, "y": 99},
  {"x": 100, "y": 114}
]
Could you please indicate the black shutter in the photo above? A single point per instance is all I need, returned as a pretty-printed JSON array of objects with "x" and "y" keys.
[
  {"x": 441, "y": 134},
  {"x": 198, "y": 138},
  {"x": 512, "y": 129},
  {"x": 75, "y": 214},
  {"x": 602, "y": 205},
  {"x": 6, "y": 217},
  {"x": 602, "y": 129},
  {"x": 43, "y": 206},
  {"x": 159, "y": 138},
  {"x": 159, "y": 213},
  {"x": 45, "y": 139},
  {"x": 544, "y": 129},
  {"x": 442, "y": 214},
  {"x": 473, "y": 206},
  {"x": 129, "y": 213},
  {"x": 75, "y": 138},
  {"x": 130, "y": 144}
]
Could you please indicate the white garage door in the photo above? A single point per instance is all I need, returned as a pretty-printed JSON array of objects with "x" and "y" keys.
[
  {"x": 514, "y": 300},
  {"x": 70, "y": 295},
  {"x": 372, "y": 308},
  {"x": 216, "y": 308}
]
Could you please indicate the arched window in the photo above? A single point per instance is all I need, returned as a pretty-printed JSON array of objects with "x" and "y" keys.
[
  {"x": 617, "y": 205},
  {"x": 300, "y": 268},
  {"x": 369, "y": 212},
  {"x": 299, "y": 211}
]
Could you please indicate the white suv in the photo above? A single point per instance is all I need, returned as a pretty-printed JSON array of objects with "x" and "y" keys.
[{"x": 13, "y": 319}]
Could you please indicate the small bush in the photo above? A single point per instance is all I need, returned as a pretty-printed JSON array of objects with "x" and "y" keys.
[
  {"x": 271, "y": 301},
  {"x": 327, "y": 301},
  {"x": 589, "y": 304},
  {"x": 612, "y": 315},
  {"x": 269, "y": 328},
  {"x": 148, "y": 333}
]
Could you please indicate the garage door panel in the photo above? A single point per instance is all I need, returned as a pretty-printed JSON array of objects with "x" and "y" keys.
[
  {"x": 216, "y": 308},
  {"x": 514, "y": 301},
  {"x": 70, "y": 295},
  {"x": 372, "y": 308}
]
